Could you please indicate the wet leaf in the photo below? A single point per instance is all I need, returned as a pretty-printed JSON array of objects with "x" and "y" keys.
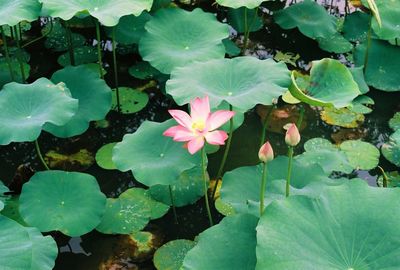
[
  {"x": 104, "y": 157},
  {"x": 361, "y": 155}
]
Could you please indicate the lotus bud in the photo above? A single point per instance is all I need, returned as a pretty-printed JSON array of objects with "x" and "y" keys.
[
  {"x": 266, "y": 153},
  {"x": 292, "y": 137}
]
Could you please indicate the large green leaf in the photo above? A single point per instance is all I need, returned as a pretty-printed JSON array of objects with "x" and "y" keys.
[
  {"x": 25, "y": 248},
  {"x": 13, "y": 12},
  {"x": 236, "y": 18},
  {"x": 25, "y": 108},
  {"x": 175, "y": 37},
  {"x": 343, "y": 229},
  {"x": 69, "y": 202},
  {"x": 187, "y": 190},
  {"x": 229, "y": 245},
  {"x": 309, "y": 17},
  {"x": 130, "y": 28},
  {"x": 241, "y": 187},
  {"x": 383, "y": 69},
  {"x": 394, "y": 122},
  {"x": 153, "y": 158},
  {"x": 361, "y": 155},
  {"x": 240, "y": 3},
  {"x": 355, "y": 27},
  {"x": 243, "y": 82},
  {"x": 330, "y": 84},
  {"x": 336, "y": 43},
  {"x": 82, "y": 55},
  {"x": 108, "y": 12},
  {"x": 94, "y": 99},
  {"x": 57, "y": 37},
  {"x": 391, "y": 149},
  {"x": 170, "y": 256}
]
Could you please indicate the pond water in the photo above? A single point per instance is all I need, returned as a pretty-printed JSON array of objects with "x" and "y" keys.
[{"x": 88, "y": 251}]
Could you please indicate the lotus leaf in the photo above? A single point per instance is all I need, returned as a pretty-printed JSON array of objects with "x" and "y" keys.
[
  {"x": 106, "y": 11},
  {"x": 224, "y": 208},
  {"x": 143, "y": 71},
  {"x": 175, "y": 37},
  {"x": 394, "y": 122},
  {"x": 236, "y": 18},
  {"x": 309, "y": 17},
  {"x": 78, "y": 161},
  {"x": 342, "y": 117},
  {"x": 361, "y": 155},
  {"x": 383, "y": 69},
  {"x": 57, "y": 37},
  {"x": 13, "y": 12},
  {"x": 170, "y": 256},
  {"x": 82, "y": 55},
  {"x": 104, "y": 157},
  {"x": 232, "y": 242},
  {"x": 242, "y": 82},
  {"x": 27, "y": 107},
  {"x": 240, "y": 3},
  {"x": 336, "y": 43},
  {"x": 187, "y": 190},
  {"x": 130, "y": 28},
  {"x": 242, "y": 185},
  {"x": 331, "y": 233},
  {"x": 94, "y": 99},
  {"x": 130, "y": 100},
  {"x": 391, "y": 149},
  {"x": 393, "y": 179},
  {"x": 358, "y": 76},
  {"x": 69, "y": 202},
  {"x": 389, "y": 12},
  {"x": 11, "y": 210},
  {"x": 330, "y": 84},
  {"x": 153, "y": 158},
  {"x": 25, "y": 248},
  {"x": 5, "y": 76},
  {"x": 361, "y": 104},
  {"x": 231, "y": 48},
  {"x": 355, "y": 26}
]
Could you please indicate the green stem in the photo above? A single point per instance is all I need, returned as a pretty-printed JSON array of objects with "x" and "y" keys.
[
  {"x": 21, "y": 64},
  {"x": 70, "y": 45},
  {"x": 171, "y": 195},
  {"x": 369, "y": 37},
  {"x": 42, "y": 36},
  {"x": 115, "y": 70},
  {"x": 265, "y": 123},
  {"x": 289, "y": 173},
  {"x": 263, "y": 186},
  {"x": 301, "y": 117},
  {"x": 39, "y": 153},
  {"x": 99, "y": 49},
  {"x": 385, "y": 177},
  {"x": 7, "y": 53},
  {"x": 225, "y": 156},
  {"x": 204, "y": 170},
  {"x": 248, "y": 28}
]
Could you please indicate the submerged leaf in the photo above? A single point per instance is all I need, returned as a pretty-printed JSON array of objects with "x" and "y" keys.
[
  {"x": 343, "y": 117},
  {"x": 78, "y": 161},
  {"x": 130, "y": 100}
]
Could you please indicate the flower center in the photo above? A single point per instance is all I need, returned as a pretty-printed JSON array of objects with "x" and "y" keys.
[{"x": 199, "y": 125}]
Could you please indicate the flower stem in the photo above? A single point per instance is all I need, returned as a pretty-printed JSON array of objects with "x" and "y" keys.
[
  {"x": 99, "y": 49},
  {"x": 247, "y": 28},
  {"x": 265, "y": 123},
  {"x": 115, "y": 70},
  {"x": 7, "y": 53},
  {"x": 263, "y": 186},
  {"x": 171, "y": 195},
  {"x": 384, "y": 176},
  {"x": 289, "y": 173},
  {"x": 301, "y": 116},
  {"x": 39, "y": 153},
  {"x": 369, "y": 37},
  {"x": 41, "y": 37},
  {"x": 225, "y": 156},
  {"x": 19, "y": 54},
  {"x": 70, "y": 45},
  {"x": 204, "y": 170}
]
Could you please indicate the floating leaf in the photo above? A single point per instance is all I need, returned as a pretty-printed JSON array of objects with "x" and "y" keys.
[
  {"x": 240, "y": 3},
  {"x": 129, "y": 29},
  {"x": 358, "y": 76},
  {"x": 343, "y": 117},
  {"x": 108, "y": 12},
  {"x": 288, "y": 57},
  {"x": 309, "y": 17},
  {"x": 331, "y": 233},
  {"x": 80, "y": 160},
  {"x": 13, "y": 12},
  {"x": 82, "y": 55},
  {"x": 94, "y": 99},
  {"x": 224, "y": 208},
  {"x": 240, "y": 82},
  {"x": 391, "y": 149},
  {"x": 69, "y": 202},
  {"x": 25, "y": 108},
  {"x": 153, "y": 158},
  {"x": 225, "y": 256},
  {"x": 170, "y": 256},
  {"x": 330, "y": 84},
  {"x": 104, "y": 157},
  {"x": 143, "y": 71},
  {"x": 186, "y": 190},
  {"x": 383, "y": 69},
  {"x": 236, "y": 18},
  {"x": 25, "y": 248},
  {"x": 175, "y": 37},
  {"x": 131, "y": 100},
  {"x": 361, "y": 155},
  {"x": 394, "y": 122}
]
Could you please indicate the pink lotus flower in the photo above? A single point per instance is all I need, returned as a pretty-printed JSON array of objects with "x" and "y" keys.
[
  {"x": 199, "y": 126},
  {"x": 266, "y": 153},
  {"x": 292, "y": 137}
]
